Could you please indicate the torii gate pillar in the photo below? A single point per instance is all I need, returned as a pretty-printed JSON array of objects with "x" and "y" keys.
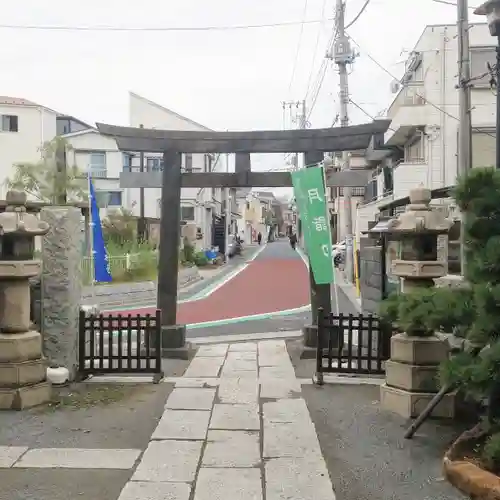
[{"x": 173, "y": 335}]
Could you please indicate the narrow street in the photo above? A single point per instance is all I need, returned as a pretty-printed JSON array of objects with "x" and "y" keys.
[{"x": 276, "y": 281}]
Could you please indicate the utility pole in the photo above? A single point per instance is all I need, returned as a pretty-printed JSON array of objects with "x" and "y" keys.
[
  {"x": 342, "y": 56},
  {"x": 464, "y": 106},
  {"x": 141, "y": 226},
  {"x": 298, "y": 115},
  {"x": 227, "y": 215}
]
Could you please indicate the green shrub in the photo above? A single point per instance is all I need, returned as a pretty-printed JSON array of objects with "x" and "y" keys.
[
  {"x": 200, "y": 259},
  {"x": 491, "y": 451}
]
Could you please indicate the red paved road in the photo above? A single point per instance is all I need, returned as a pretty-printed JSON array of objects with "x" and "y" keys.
[{"x": 264, "y": 286}]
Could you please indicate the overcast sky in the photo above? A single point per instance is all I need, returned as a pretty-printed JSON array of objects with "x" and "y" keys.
[{"x": 234, "y": 79}]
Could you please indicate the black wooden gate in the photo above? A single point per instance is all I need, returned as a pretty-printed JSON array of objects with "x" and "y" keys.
[
  {"x": 120, "y": 344},
  {"x": 365, "y": 343}
]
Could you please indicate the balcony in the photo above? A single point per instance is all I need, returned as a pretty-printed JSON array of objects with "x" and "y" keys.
[{"x": 407, "y": 112}]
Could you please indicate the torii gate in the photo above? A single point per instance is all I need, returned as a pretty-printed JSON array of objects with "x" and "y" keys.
[{"x": 174, "y": 143}]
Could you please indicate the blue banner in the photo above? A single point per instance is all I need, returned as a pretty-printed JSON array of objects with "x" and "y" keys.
[{"x": 100, "y": 259}]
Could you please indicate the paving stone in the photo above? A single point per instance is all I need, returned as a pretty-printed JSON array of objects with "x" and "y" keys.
[
  {"x": 235, "y": 417},
  {"x": 279, "y": 389},
  {"x": 238, "y": 390},
  {"x": 204, "y": 367},
  {"x": 239, "y": 356},
  {"x": 295, "y": 440},
  {"x": 232, "y": 449},
  {"x": 249, "y": 374},
  {"x": 277, "y": 372},
  {"x": 182, "y": 424},
  {"x": 241, "y": 365},
  {"x": 169, "y": 461},
  {"x": 216, "y": 350},
  {"x": 243, "y": 347},
  {"x": 78, "y": 458},
  {"x": 225, "y": 484},
  {"x": 286, "y": 411},
  {"x": 191, "y": 399},
  {"x": 193, "y": 382},
  {"x": 137, "y": 490},
  {"x": 271, "y": 345},
  {"x": 298, "y": 479},
  {"x": 10, "y": 454}
]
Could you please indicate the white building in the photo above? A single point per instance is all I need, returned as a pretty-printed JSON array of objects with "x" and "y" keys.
[
  {"x": 100, "y": 155},
  {"x": 423, "y": 135},
  {"x": 24, "y": 127}
]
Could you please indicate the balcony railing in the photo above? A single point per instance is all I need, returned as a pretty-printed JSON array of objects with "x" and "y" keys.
[
  {"x": 100, "y": 174},
  {"x": 410, "y": 95}
]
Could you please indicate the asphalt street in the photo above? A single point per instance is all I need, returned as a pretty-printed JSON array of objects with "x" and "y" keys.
[{"x": 278, "y": 323}]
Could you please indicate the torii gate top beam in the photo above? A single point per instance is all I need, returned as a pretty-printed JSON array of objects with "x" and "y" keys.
[{"x": 273, "y": 141}]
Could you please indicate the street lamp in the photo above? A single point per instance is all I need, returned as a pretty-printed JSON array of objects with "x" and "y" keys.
[{"x": 491, "y": 9}]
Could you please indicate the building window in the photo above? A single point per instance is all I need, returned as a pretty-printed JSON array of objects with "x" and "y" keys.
[
  {"x": 188, "y": 162},
  {"x": 414, "y": 149},
  {"x": 154, "y": 164},
  {"x": 97, "y": 164},
  {"x": 187, "y": 213},
  {"x": 9, "y": 123},
  {"x": 115, "y": 198},
  {"x": 127, "y": 162},
  {"x": 479, "y": 59}
]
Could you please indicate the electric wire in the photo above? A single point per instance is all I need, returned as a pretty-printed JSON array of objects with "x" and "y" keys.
[
  {"x": 360, "y": 13},
  {"x": 299, "y": 45},
  {"x": 235, "y": 27},
  {"x": 318, "y": 36},
  {"x": 435, "y": 106}
]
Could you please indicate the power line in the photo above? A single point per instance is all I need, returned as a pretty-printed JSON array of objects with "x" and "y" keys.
[
  {"x": 160, "y": 28},
  {"x": 309, "y": 81},
  {"x": 435, "y": 106},
  {"x": 360, "y": 13},
  {"x": 299, "y": 44}
]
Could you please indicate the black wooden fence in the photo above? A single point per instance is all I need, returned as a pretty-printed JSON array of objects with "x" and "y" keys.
[
  {"x": 120, "y": 344},
  {"x": 363, "y": 349}
]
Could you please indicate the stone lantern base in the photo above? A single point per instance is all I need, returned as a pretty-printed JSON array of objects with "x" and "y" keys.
[
  {"x": 23, "y": 381},
  {"x": 412, "y": 376}
]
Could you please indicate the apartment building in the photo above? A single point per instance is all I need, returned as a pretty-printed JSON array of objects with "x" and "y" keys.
[
  {"x": 24, "y": 127},
  {"x": 422, "y": 142}
]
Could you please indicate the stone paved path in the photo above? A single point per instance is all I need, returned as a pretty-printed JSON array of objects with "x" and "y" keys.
[{"x": 235, "y": 427}]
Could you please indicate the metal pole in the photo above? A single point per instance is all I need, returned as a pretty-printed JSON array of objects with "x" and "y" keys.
[
  {"x": 464, "y": 108},
  {"x": 227, "y": 215},
  {"x": 497, "y": 75},
  {"x": 343, "y": 56},
  {"x": 141, "y": 228}
]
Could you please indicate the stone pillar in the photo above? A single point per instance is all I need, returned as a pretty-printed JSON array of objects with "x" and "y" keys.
[
  {"x": 61, "y": 286},
  {"x": 412, "y": 372},
  {"x": 23, "y": 382}
]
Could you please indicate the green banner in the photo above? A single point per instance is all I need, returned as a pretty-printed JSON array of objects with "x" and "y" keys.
[{"x": 310, "y": 195}]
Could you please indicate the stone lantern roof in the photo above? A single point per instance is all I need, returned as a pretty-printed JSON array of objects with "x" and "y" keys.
[
  {"x": 419, "y": 217},
  {"x": 16, "y": 220}
]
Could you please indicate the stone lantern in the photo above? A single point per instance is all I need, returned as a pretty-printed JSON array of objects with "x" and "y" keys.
[
  {"x": 23, "y": 381},
  {"x": 411, "y": 373},
  {"x": 418, "y": 230}
]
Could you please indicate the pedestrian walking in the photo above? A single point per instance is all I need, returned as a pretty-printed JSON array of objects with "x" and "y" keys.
[
  {"x": 293, "y": 241},
  {"x": 259, "y": 238}
]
